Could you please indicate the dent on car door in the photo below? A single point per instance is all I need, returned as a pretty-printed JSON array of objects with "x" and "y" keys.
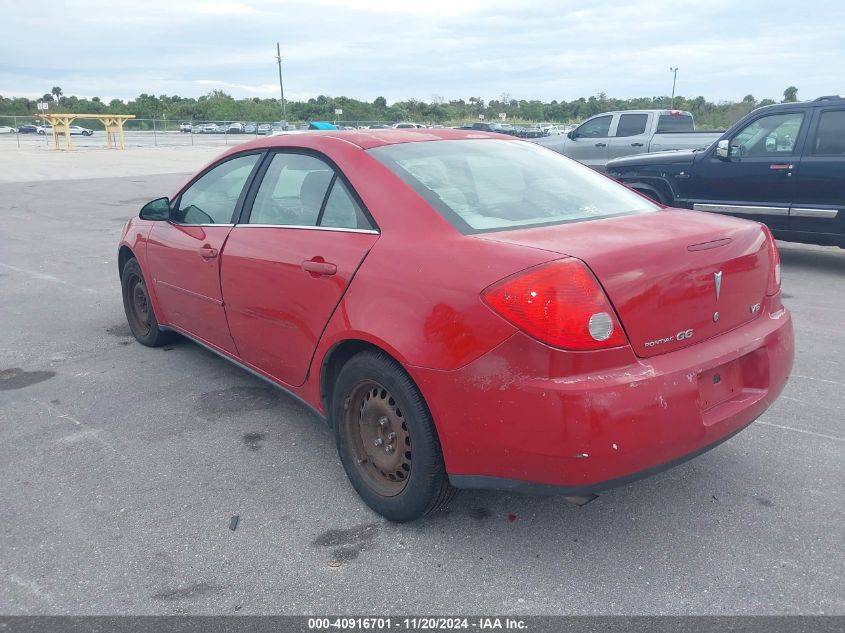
[
  {"x": 819, "y": 202},
  {"x": 756, "y": 180},
  {"x": 183, "y": 254},
  {"x": 286, "y": 266}
]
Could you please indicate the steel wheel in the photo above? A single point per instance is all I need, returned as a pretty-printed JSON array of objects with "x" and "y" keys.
[
  {"x": 139, "y": 311},
  {"x": 377, "y": 433}
]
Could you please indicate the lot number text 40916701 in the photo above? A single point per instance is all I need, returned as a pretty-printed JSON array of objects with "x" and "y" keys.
[{"x": 415, "y": 624}]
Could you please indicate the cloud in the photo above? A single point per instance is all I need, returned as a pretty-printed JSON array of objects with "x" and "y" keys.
[
  {"x": 532, "y": 49},
  {"x": 220, "y": 8}
]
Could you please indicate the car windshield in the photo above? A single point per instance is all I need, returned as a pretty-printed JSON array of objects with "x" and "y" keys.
[{"x": 488, "y": 185}]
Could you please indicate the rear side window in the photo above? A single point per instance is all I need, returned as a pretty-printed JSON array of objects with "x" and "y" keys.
[
  {"x": 302, "y": 190},
  {"x": 342, "y": 211},
  {"x": 830, "y": 134},
  {"x": 490, "y": 184},
  {"x": 675, "y": 123},
  {"x": 631, "y": 124},
  {"x": 292, "y": 191}
]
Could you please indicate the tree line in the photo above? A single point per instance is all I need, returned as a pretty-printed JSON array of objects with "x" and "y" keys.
[{"x": 219, "y": 106}]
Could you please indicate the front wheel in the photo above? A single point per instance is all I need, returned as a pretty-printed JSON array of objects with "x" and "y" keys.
[
  {"x": 139, "y": 308},
  {"x": 386, "y": 439}
]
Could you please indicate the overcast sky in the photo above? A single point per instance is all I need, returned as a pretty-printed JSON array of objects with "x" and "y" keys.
[{"x": 403, "y": 49}]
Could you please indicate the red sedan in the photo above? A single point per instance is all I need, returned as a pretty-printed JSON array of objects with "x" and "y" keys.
[{"x": 466, "y": 310}]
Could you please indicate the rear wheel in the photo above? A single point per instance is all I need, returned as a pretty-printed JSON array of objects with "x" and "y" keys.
[
  {"x": 139, "y": 308},
  {"x": 386, "y": 439}
]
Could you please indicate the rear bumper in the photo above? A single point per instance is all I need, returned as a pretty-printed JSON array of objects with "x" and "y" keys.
[{"x": 526, "y": 417}]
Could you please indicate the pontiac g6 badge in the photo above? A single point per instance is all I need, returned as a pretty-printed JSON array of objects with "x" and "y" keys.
[
  {"x": 717, "y": 282},
  {"x": 680, "y": 336}
]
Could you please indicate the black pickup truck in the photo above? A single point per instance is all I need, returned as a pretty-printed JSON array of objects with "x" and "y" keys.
[{"x": 782, "y": 165}]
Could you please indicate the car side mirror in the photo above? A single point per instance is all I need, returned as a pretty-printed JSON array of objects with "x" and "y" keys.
[
  {"x": 158, "y": 209},
  {"x": 723, "y": 150},
  {"x": 572, "y": 135}
]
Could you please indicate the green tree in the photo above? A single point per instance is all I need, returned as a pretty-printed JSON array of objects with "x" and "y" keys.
[
  {"x": 790, "y": 95},
  {"x": 56, "y": 91}
]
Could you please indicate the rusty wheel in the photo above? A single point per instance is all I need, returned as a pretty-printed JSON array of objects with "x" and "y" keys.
[
  {"x": 139, "y": 305},
  {"x": 139, "y": 308},
  {"x": 378, "y": 435},
  {"x": 386, "y": 438}
]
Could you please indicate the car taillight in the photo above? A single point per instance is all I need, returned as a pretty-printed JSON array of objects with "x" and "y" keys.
[
  {"x": 774, "y": 264},
  {"x": 560, "y": 304}
]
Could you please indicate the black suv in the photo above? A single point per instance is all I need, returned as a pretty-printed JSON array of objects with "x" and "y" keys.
[{"x": 782, "y": 165}]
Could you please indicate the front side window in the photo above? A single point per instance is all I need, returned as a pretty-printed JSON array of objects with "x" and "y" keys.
[
  {"x": 830, "y": 134},
  {"x": 772, "y": 135},
  {"x": 212, "y": 198},
  {"x": 491, "y": 184},
  {"x": 631, "y": 124},
  {"x": 596, "y": 128}
]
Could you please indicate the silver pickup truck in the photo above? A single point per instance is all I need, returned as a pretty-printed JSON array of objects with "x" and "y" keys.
[{"x": 614, "y": 134}]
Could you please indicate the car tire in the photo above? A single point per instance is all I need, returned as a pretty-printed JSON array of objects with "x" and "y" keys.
[
  {"x": 375, "y": 406},
  {"x": 139, "y": 308}
]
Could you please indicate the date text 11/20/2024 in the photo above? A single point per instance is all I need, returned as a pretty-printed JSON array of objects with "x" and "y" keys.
[{"x": 415, "y": 624}]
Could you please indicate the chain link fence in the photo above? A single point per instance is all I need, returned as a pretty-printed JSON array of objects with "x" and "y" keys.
[{"x": 28, "y": 131}]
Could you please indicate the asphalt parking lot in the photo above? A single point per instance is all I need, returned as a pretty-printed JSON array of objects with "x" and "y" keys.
[{"x": 122, "y": 467}]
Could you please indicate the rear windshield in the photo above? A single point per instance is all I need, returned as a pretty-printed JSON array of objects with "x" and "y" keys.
[
  {"x": 488, "y": 185},
  {"x": 675, "y": 123}
]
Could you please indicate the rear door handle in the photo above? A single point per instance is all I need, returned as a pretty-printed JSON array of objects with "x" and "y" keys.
[
  {"x": 319, "y": 268},
  {"x": 207, "y": 252},
  {"x": 601, "y": 144},
  {"x": 781, "y": 166},
  {"x": 636, "y": 144}
]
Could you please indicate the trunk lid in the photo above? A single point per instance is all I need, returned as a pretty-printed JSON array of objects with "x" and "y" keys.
[{"x": 661, "y": 271}]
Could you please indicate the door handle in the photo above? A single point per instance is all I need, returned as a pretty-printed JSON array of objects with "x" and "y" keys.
[
  {"x": 636, "y": 144},
  {"x": 601, "y": 144},
  {"x": 781, "y": 167},
  {"x": 318, "y": 268},
  {"x": 207, "y": 252}
]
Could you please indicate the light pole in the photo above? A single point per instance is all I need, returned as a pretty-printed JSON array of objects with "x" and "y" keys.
[
  {"x": 674, "y": 72},
  {"x": 281, "y": 85}
]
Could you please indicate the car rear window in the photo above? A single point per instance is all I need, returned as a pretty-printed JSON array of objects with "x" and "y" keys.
[
  {"x": 675, "y": 123},
  {"x": 487, "y": 185}
]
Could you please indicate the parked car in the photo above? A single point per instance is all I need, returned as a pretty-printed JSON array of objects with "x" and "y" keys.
[
  {"x": 613, "y": 134},
  {"x": 7, "y": 129},
  {"x": 209, "y": 128},
  {"x": 585, "y": 342},
  {"x": 484, "y": 127},
  {"x": 250, "y": 128},
  {"x": 77, "y": 130},
  {"x": 782, "y": 165},
  {"x": 235, "y": 128},
  {"x": 185, "y": 127},
  {"x": 44, "y": 129},
  {"x": 265, "y": 128},
  {"x": 28, "y": 128}
]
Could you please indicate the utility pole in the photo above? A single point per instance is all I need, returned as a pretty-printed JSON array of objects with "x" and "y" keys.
[
  {"x": 281, "y": 85},
  {"x": 674, "y": 71}
]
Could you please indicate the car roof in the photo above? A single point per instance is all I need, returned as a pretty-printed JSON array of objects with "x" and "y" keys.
[{"x": 368, "y": 139}]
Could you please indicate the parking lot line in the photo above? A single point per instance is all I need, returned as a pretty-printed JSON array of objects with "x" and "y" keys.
[{"x": 805, "y": 431}]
